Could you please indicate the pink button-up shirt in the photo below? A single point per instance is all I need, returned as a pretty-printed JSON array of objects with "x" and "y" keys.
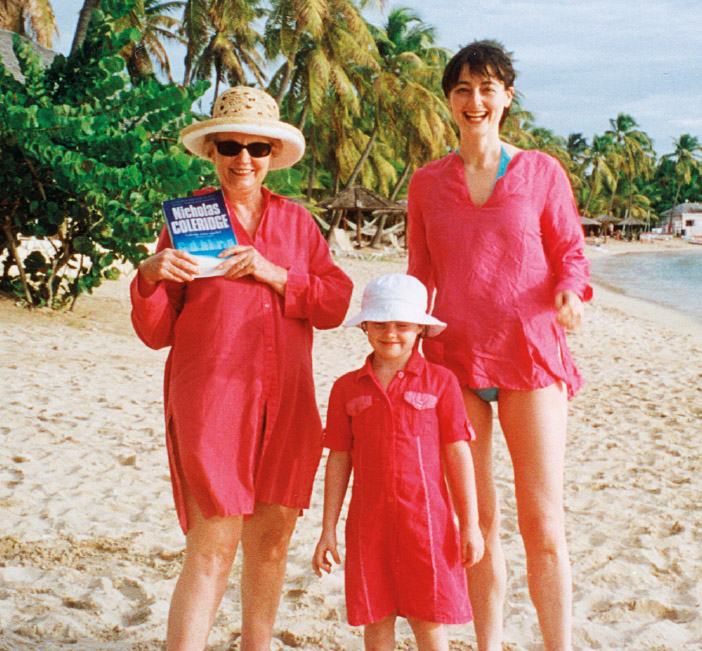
[
  {"x": 402, "y": 546},
  {"x": 241, "y": 417},
  {"x": 496, "y": 270}
]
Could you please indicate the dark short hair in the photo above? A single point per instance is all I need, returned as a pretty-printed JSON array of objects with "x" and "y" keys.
[{"x": 483, "y": 58}]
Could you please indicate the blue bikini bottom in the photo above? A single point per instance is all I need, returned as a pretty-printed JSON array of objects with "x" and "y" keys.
[{"x": 488, "y": 395}]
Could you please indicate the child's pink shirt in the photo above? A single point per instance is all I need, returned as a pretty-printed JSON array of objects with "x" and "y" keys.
[
  {"x": 402, "y": 546},
  {"x": 496, "y": 270}
]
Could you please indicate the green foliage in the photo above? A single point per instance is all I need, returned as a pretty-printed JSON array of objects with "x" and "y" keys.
[
  {"x": 86, "y": 160},
  {"x": 287, "y": 182}
]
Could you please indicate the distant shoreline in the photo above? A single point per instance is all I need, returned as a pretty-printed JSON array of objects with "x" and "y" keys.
[{"x": 649, "y": 310}]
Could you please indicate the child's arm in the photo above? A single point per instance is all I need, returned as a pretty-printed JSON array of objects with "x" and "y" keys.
[
  {"x": 461, "y": 482},
  {"x": 336, "y": 481}
]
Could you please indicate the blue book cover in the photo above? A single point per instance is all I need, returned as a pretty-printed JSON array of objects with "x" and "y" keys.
[{"x": 201, "y": 226}]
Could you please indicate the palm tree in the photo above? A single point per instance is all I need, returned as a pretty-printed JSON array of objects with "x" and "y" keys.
[
  {"x": 152, "y": 19},
  {"x": 602, "y": 159},
  {"x": 635, "y": 149},
  {"x": 405, "y": 94},
  {"x": 576, "y": 146},
  {"x": 222, "y": 41},
  {"x": 83, "y": 23},
  {"x": 32, "y": 18},
  {"x": 687, "y": 160},
  {"x": 328, "y": 55},
  {"x": 294, "y": 26}
]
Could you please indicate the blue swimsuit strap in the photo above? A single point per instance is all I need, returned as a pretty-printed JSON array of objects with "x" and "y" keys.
[
  {"x": 504, "y": 161},
  {"x": 505, "y": 158}
]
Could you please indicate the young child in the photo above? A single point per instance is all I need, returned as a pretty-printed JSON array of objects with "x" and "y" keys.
[{"x": 401, "y": 424}]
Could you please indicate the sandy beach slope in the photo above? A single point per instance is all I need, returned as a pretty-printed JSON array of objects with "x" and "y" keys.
[{"x": 90, "y": 546}]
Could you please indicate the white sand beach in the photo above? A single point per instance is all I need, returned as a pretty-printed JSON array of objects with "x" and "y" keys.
[{"x": 90, "y": 546}]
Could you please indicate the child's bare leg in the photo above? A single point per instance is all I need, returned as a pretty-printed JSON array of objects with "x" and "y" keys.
[
  {"x": 430, "y": 636},
  {"x": 380, "y": 635}
]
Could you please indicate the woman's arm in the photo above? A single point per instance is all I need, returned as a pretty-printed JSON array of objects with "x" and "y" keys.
[
  {"x": 336, "y": 481},
  {"x": 157, "y": 293},
  {"x": 564, "y": 241},
  {"x": 322, "y": 292},
  {"x": 419, "y": 259},
  {"x": 460, "y": 477}
]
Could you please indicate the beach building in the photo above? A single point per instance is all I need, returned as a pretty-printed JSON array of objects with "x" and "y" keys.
[
  {"x": 9, "y": 59},
  {"x": 686, "y": 222}
]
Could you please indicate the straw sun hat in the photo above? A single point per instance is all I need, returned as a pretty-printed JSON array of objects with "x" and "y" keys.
[
  {"x": 251, "y": 111},
  {"x": 396, "y": 297}
]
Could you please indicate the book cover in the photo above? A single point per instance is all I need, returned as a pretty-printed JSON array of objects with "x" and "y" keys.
[{"x": 201, "y": 226}]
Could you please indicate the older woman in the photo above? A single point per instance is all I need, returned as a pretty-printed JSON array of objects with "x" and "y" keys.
[
  {"x": 243, "y": 432},
  {"x": 494, "y": 230}
]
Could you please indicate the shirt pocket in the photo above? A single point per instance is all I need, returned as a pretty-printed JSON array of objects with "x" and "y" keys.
[
  {"x": 357, "y": 405},
  {"x": 363, "y": 422},
  {"x": 420, "y": 413}
]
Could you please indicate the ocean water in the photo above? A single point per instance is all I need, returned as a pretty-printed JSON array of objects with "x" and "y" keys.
[{"x": 670, "y": 278}]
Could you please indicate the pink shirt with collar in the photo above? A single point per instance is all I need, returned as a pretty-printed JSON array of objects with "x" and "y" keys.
[
  {"x": 241, "y": 417},
  {"x": 496, "y": 270},
  {"x": 402, "y": 546}
]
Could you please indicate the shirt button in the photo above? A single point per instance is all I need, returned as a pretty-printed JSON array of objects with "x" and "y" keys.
[
  {"x": 400, "y": 374},
  {"x": 390, "y": 498},
  {"x": 267, "y": 306}
]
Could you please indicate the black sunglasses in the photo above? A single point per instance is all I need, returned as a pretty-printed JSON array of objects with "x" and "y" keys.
[{"x": 234, "y": 148}]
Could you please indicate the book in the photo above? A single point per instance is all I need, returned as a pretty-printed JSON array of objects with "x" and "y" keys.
[{"x": 201, "y": 226}]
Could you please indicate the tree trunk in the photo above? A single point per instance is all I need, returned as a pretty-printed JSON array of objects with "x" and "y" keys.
[
  {"x": 216, "y": 88},
  {"x": 9, "y": 236},
  {"x": 592, "y": 188},
  {"x": 287, "y": 75},
  {"x": 310, "y": 178},
  {"x": 614, "y": 194},
  {"x": 400, "y": 182},
  {"x": 336, "y": 214},
  {"x": 303, "y": 117},
  {"x": 83, "y": 23},
  {"x": 364, "y": 157},
  {"x": 375, "y": 242},
  {"x": 675, "y": 203}
]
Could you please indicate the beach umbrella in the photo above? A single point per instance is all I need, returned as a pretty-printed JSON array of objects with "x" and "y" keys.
[
  {"x": 631, "y": 221},
  {"x": 607, "y": 219},
  {"x": 589, "y": 225}
]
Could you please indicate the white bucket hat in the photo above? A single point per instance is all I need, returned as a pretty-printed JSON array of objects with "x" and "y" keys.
[
  {"x": 396, "y": 297},
  {"x": 252, "y": 111}
]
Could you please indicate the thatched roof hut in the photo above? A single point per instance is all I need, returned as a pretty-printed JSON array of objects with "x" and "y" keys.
[
  {"x": 361, "y": 200},
  {"x": 9, "y": 59}
]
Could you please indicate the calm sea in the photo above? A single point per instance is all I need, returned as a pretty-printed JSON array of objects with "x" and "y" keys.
[{"x": 670, "y": 278}]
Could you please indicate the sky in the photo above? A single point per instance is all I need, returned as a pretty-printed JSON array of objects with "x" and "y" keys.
[{"x": 579, "y": 62}]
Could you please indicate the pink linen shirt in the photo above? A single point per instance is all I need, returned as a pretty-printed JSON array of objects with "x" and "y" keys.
[
  {"x": 402, "y": 545},
  {"x": 496, "y": 270},
  {"x": 241, "y": 418}
]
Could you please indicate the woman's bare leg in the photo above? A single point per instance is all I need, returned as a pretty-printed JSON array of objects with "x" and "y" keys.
[
  {"x": 264, "y": 541},
  {"x": 487, "y": 579},
  {"x": 534, "y": 425},
  {"x": 210, "y": 549},
  {"x": 430, "y": 636},
  {"x": 380, "y": 636}
]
